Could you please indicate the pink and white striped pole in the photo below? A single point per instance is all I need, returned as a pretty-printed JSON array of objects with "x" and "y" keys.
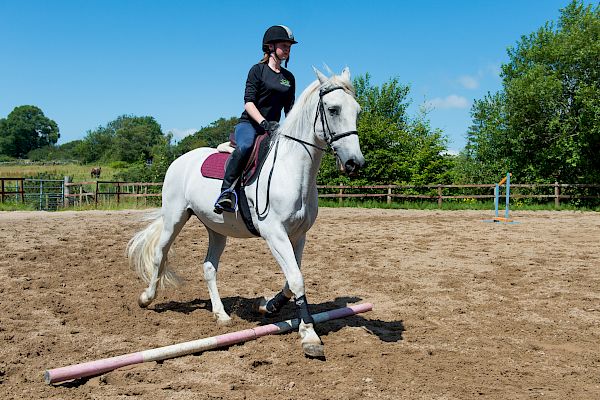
[{"x": 195, "y": 346}]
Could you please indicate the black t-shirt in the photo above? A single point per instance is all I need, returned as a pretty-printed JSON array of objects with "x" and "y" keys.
[{"x": 269, "y": 91}]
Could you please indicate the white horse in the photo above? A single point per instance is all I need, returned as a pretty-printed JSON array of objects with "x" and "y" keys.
[{"x": 283, "y": 200}]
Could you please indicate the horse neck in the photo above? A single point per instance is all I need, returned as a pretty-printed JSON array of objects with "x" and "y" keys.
[
  {"x": 298, "y": 155},
  {"x": 301, "y": 158}
]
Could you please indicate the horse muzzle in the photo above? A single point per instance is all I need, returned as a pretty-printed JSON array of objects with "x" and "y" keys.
[{"x": 351, "y": 166}]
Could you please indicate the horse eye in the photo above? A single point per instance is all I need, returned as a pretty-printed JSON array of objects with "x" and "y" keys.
[{"x": 334, "y": 110}]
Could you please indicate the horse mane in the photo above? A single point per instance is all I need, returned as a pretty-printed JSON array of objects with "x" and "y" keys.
[{"x": 299, "y": 122}]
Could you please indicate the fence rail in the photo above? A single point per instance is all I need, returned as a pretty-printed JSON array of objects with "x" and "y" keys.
[
  {"x": 556, "y": 191},
  {"x": 102, "y": 192},
  {"x": 6, "y": 192}
]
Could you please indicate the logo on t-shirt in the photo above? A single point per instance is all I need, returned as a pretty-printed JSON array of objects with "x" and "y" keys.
[{"x": 284, "y": 82}]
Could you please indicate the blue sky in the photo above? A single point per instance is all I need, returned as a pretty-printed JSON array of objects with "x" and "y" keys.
[{"x": 84, "y": 63}]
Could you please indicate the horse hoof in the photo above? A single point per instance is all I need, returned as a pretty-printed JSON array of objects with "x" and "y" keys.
[
  {"x": 314, "y": 350},
  {"x": 143, "y": 300},
  {"x": 260, "y": 306},
  {"x": 222, "y": 321}
]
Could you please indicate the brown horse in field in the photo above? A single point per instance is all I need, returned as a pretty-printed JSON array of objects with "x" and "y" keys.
[{"x": 96, "y": 172}]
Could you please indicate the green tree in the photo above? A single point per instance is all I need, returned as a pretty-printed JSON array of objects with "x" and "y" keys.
[
  {"x": 26, "y": 128},
  {"x": 134, "y": 138},
  {"x": 64, "y": 152},
  {"x": 162, "y": 155},
  {"x": 95, "y": 146},
  {"x": 486, "y": 156},
  {"x": 212, "y": 135},
  {"x": 397, "y": 148},
  {"x": 545, "y": 123},
  {"x": 127, "y": 138}
]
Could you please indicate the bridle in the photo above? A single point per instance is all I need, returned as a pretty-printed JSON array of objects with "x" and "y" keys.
[{"x": 330, "y": 136}]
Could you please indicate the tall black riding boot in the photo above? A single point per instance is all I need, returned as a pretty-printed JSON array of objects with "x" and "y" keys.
[{"x": 227, "y": 198}]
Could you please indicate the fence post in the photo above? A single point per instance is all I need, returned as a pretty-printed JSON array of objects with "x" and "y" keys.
[
  {"x": 41, "y": 195},
  {"x": 439, "y": 191},
  {"x": 96, "y": 196},
  {"x": 66, "y": 191},
  {"x": 496, "y": 199},
  {"x": 341, "y": 193},
  {"x": 556, "y": 195},
  {"x": 2, "y": 196},
  {"x": 389, "y": 196},
  {"x": 22, "y": 190}
]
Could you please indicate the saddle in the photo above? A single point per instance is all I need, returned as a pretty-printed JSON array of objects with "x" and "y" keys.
[{"x": 214, "y": 167}]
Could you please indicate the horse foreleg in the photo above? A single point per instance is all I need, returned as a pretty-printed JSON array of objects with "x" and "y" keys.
[
  {"x": 274, "y": 304},
  {"x": 216, "y": 245},
  {"x": 287, "y": 256}
]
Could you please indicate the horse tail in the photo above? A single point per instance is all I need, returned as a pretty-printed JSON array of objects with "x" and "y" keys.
[{"x": 141, "y": 251}]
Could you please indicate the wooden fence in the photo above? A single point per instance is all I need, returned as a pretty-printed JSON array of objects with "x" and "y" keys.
[
  {"x": 102, "y": 192},
  {"x": 19, "y": 191},
  {"x": 554, "y": 192},
  {"x": 96, "y": 192}
]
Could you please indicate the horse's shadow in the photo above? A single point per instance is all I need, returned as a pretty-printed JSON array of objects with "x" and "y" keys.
[
  {"x": 244, "y": 308},
  {"x": 387, "y": 331}
]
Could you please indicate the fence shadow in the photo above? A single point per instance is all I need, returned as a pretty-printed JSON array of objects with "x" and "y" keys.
[{"x": 242, "y": 307}]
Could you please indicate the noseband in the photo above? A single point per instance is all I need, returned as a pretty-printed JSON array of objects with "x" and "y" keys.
[{"x": 330, "y": 136}]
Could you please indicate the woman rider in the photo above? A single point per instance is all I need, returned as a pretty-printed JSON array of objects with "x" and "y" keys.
[{"x": 269, "y": 89}]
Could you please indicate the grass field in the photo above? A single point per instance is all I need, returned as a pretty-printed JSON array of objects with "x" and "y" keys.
[{"x": 77, "y": 172}]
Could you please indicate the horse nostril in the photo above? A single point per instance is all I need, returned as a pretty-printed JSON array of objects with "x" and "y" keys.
[{"x": 351, "y": 167}]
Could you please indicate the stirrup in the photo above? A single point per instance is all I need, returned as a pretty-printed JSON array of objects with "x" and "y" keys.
[{"x": 231, "y": 195}]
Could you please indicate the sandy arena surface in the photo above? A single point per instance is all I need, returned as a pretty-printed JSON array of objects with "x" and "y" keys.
[{"x": 463, "y": 309}]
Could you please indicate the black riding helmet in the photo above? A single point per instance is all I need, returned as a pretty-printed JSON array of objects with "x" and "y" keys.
[{"x": 277, "y": 33}]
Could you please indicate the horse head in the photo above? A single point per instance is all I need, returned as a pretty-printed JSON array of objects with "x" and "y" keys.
[{"x": 335, "y": 120}]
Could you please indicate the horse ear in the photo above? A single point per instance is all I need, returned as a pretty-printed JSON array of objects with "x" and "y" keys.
[
  {"x": 346, "y": 74},
  {"x": 322, "y": 78}
]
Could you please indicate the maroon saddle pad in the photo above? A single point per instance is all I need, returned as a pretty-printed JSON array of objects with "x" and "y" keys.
[{"x": 214, "y": 165}]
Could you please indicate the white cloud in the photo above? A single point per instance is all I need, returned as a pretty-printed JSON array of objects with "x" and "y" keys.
[
  {"x": 469, "y": 82},
  {"x": 452, "y": 101},
  {"x": 450, "y": 152},
  {"x": 179, "y": 134},
  {"x": 473, "y": 81}
]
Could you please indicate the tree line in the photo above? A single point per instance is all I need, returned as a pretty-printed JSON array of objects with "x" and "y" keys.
[{"x": 543, "y": 125}]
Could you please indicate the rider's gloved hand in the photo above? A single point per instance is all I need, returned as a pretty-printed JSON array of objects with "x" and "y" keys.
[{"x": 269, "y": 126}]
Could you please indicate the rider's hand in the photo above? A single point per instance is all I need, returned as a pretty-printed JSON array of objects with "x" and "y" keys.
[{"x": 269, "y": 126}]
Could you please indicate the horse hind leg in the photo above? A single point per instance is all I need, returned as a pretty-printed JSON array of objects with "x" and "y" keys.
[
  {"x": 216, "y": 245},
  {"x": 148, "y": 252}
]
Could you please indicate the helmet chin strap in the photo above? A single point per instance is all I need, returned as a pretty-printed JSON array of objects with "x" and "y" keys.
[{"x": 274, "y": 52}]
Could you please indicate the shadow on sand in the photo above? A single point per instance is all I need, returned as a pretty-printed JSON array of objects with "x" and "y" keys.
[{"x": 386, "y": 331}]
